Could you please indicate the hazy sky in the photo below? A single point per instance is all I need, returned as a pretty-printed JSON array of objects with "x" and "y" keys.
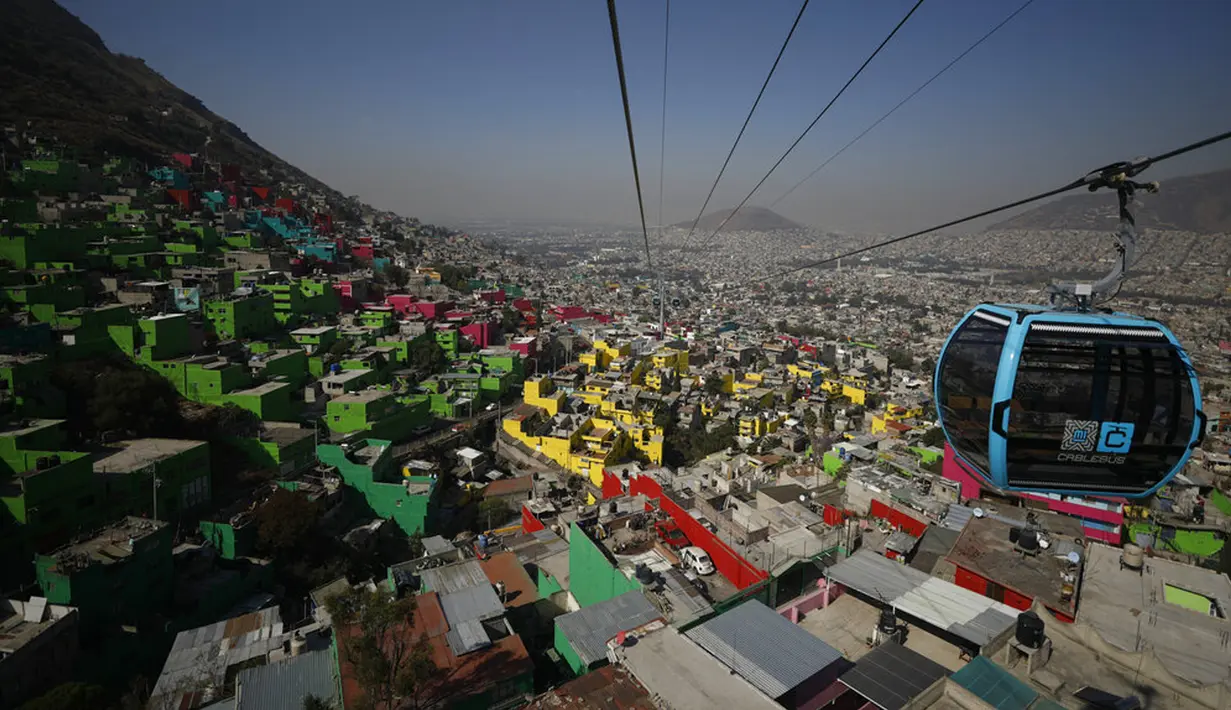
[{"x": 457, "y": 109}]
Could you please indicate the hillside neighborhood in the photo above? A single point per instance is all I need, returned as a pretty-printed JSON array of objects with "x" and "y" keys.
[{"x": 239, "y": 417}]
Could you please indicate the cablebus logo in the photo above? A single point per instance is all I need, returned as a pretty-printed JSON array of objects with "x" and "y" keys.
[{"x": 1088, "y": 441}]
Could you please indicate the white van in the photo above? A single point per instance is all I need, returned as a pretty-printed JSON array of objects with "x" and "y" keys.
[{"x": 697, "y": 560}]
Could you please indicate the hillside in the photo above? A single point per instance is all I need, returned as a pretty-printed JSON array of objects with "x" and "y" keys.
[
  {"x": 1196, "y": 203},
  {"x": 60, "y": 77},
  {"x": 749, "y": 219}
]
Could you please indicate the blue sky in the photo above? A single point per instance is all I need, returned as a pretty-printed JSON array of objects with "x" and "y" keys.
[{"x": 460, "y": 109}]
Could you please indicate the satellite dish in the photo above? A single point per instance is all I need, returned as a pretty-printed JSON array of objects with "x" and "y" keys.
[
  {"x": 978, "y": 512},
  {"x": 1074, "y": 557}
]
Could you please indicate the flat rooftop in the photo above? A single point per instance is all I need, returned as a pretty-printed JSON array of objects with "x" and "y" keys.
[
  {"x": 848, "y": 621},
  {"x": 261, "y": 389},
  {"x": 136, "y": 454},
  {"x": 1178, "y": 611},
  {"x": 362, "y": 397},
  {"x": 687, "y": 677},
  {"x": 112, "y": 544},
  {"x": 285, "y": 435},
  {"x": 319, "y": 330},
  {"x": 27, "y": 426},
  {"x": 22, "y": 622},
  {"x": 346, "y": 375},
  {"x": 984, "y": 548}
]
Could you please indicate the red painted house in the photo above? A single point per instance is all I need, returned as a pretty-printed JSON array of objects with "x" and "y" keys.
[
  {"x": 989, "y": 562},
  {"x": 260, "y": 194},
  {"x": 483, "y": 334},
  {"x": 363, "y": 251},
  {"x": 432, "y": 310},
  {"x": 231, "y": 172},
  {"x": 567, "y": 313},
  {"x": 523, "y": 304},
  {"x": 527, "y": 346},
  {"x": 183, "y": 198},
  {"x": 494, "y": 297},
  {"x": 285, "y": 203},
  {"x": 402, "y": 303},
  {"x": 183, "y": 159},
  {"x": 323, "y": 222}
]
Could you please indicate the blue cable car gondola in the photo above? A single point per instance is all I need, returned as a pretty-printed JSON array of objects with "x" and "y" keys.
[{"x": 1070, "y": 399}]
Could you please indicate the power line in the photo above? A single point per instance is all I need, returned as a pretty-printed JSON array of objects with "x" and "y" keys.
[
  {"x": 1103, "y": 177},
  {"x": 816, "y": 120},
  {"x": 904, "y": 101},
  {"x": 662, "y": 141},
  {"x": 628, "y": 122},
  {"x": 747, "y": 119}
]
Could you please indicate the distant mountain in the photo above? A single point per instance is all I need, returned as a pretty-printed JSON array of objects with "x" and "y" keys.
[
  {"x": 749, "y": 219},
  {"x": 60, "y": 77},
  {"x": 1197, "y": 203}
]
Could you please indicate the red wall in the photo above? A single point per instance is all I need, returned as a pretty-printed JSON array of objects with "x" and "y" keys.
[
  {"x": 529, "y": 523},
  {"x": 898, "y": 519},
  {"x": 739, "y": 571},
  {"x": 966, "y": 579},
  {"x": 612, "y": 486}
]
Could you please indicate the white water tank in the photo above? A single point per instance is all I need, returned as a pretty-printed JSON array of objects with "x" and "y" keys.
[
  {"x": 1132, "y": 556},
  {"x": 298, "y": 643}
]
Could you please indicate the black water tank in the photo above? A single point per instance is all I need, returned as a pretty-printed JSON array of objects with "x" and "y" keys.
[
  {"x": 1029, "y": 629},
  {"x": 1028, "y": 541},
  {"x": 888, "y": 623},
  {"x": 1015, "y": 534},
  {"x": 644, "y": 574}
]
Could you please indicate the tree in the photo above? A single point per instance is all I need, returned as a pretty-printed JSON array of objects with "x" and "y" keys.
[
  {"x": 810, "y": 419},
  {"x": 426, "y": 355},
  {"x": 493, "y": 512},
  {"x": 713, "y": 385},
  {"x": 69, "y": 696},
  {"x": 339, "y": 348},
  {"x": 509, "y": 320},
  {"x": 934, "y": 437},
  {"x": 390, "y": 661},
  {"x": 315, "y": 702},
  {"x": 396, "y": 275},
  {"x": 284, "y": 521}
]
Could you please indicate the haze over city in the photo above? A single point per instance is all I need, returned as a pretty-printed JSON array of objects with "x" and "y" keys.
[{"x": 467, "y": 110}]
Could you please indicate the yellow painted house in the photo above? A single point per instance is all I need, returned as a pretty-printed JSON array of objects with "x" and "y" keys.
[
  {"x": 591, "y": 447},
  {"x": 755, "y": 425},
  {"x": 541, "y": 392},
  {"x": 604, "y": 353},
  {"x": 671, "y": 358}
]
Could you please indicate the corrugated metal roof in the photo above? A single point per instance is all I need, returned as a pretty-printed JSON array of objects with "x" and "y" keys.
[
  {"x": 588, "y": 630},
  {"x": 468, "y": 636},
  {"x": 998, "y": 688},
  {"x": 472, "y": 603},
  {"x": 966, "y": 614},
  {"x": 284, "y": 685},
  {"x": 892, "y": 675},
  {"x": 454, "y": 578},
  {"x": 436, "y": 545},
  {"x": 202, "y": 655},
  {"x": 764, "y": 647}
]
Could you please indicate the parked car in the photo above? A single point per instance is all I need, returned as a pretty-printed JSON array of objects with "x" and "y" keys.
[
  {"x": 697, "y": 560},
  {"x": 669, "y": 532}
]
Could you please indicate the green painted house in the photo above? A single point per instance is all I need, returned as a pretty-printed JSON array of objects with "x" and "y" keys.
[{"x": 368, "y": 467}]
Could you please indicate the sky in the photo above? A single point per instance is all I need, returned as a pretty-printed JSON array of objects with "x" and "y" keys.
[{"x": 462, "y": 110}]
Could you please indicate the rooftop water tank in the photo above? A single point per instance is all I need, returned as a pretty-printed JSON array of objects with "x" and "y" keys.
[
  {"x": 1132, "y": 557},
  {"x": 1030, "y": 629}
]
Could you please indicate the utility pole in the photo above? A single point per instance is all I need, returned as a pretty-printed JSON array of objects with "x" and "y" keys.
[{"x": 154, "y": 484}]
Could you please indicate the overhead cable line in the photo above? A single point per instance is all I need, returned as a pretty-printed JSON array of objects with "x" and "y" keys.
[
  {"x": 747, "y": 119},
  {"x": 816, "y": 120},
  {"x": 628, "y": 122},
  {"x": 1107, "y": 176},
  {"x": 904, "y": 101},
  {"x": 662, "y": 141}
]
